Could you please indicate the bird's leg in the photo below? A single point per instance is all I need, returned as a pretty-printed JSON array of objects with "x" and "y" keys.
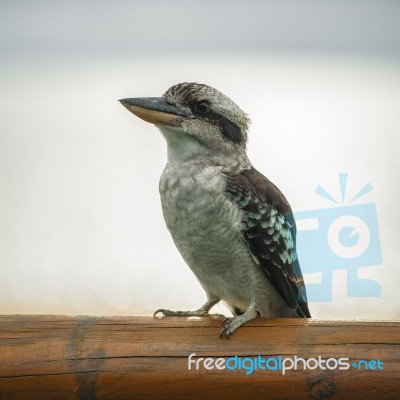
[
  {"x": 202, "y": 311},
  {"x": 234, "y": 323}
]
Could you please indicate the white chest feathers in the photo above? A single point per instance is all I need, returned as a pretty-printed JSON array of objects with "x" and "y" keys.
[{"x": 203, "y": 222}]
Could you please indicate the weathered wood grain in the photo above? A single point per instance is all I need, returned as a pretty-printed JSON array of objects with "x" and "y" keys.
[{"x": 60, "y": 357}]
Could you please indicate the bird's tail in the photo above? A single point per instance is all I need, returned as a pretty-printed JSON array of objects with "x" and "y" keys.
[{"x": 302, "y": 310}]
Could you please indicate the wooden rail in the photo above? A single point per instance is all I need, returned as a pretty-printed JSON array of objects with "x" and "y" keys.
[{"x": 60, "y": 357}]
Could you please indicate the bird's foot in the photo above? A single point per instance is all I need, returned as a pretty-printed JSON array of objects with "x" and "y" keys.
[
  {"x": 196, "y": 313},
  {"x": 231, "y": 324},
  {"x": 227, "y": 320}
]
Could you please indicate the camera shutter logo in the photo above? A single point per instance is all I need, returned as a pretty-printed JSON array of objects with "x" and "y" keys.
[{"x": 345, "y": 236}]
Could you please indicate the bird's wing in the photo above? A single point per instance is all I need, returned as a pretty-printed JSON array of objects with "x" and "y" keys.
[{"x": 270, "y": 232}]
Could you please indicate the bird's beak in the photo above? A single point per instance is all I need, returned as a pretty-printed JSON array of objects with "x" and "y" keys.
[{"x": 154, "y": 110}]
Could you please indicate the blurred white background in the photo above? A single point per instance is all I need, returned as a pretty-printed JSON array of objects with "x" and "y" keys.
[{"x": 81, "y": 227}]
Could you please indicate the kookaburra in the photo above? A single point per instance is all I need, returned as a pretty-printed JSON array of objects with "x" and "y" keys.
[{"x": 232, "y": 225}]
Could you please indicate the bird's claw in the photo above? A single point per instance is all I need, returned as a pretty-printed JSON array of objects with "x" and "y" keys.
[
  {"x": 225, "y": 332},
  {"x": 166, "y": 313},
  {"x": 197, "y": 313},
  {"x": 232, "y": 324}
]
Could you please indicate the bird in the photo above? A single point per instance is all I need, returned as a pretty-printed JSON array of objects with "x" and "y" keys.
[{"x": 233, "y": 227}]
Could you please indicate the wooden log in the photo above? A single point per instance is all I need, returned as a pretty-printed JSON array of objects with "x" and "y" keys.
[{"x": 60, "y": 357}]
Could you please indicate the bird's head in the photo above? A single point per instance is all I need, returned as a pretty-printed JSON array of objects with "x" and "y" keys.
[{"x": 196, "y": 120}]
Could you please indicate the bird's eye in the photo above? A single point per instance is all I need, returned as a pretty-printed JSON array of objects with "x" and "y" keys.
[{"x": 202, "y": 107}]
